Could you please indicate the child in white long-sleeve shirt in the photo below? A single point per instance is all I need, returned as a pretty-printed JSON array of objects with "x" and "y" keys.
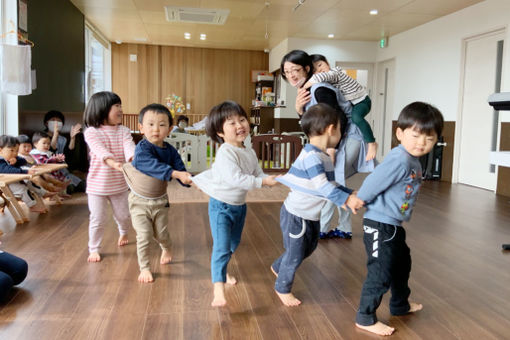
[{"x": 235, "y": 171}]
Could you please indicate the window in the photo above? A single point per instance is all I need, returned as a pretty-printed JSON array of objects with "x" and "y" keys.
[{"x": 97, "y": 62}]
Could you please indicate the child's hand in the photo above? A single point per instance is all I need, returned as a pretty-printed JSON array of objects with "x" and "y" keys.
[
  {"x": 308, "y": 84},
  {"x": 60, "y": 157},
  {"x": 270, "y": 180},
  {"x": 354, "y": 203},
  {"x": 114, "y": 164},
  {"x": 183, "y": 176},
  {"x": 12, "y": 161},
  {"x": 32, "y": 170}
]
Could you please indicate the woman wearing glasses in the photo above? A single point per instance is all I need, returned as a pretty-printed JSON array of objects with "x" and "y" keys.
[{"x": 349, "y": 156}]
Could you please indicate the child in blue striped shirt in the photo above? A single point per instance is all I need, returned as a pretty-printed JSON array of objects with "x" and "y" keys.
[{"x": 312, "y": 182}]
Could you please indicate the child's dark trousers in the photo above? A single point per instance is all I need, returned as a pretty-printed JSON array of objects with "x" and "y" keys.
[{"x": 389, "y": 265}]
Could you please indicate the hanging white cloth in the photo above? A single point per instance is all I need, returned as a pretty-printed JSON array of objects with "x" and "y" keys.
[{"x": 15, "y": 73}]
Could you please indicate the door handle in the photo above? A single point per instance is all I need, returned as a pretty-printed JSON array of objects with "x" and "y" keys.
[{"x": 442, "y": 144}]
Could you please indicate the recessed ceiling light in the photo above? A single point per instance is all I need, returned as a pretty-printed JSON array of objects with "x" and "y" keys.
[
  {"x": 187, "y": 35},
  {"x": 202, "y": 36},
  {"x": 373, "y": 12},
  {"x": 118, "y": 42},
  {"x": 331, "y": 35},
  {"x": 141, "y": 39}
]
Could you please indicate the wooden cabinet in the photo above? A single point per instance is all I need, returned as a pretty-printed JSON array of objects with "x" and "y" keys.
[{"x": 263, "y": 118}]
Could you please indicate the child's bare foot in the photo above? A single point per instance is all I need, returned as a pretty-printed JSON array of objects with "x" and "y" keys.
[
  {"x": 94, "y": 257},
  {"x": 123, "y": 240},
  {"x": 219, "y": 295},
  {"x": 378, "y": 328},
  {"x": 275, "y": 273},
  {"x": 145, "y": 276},
  {"x": 371, "y": 151},
  {"x": 231, "y": 280},
  {"x": 166, "y": 257},
  {"x": 414, "y": 307},
  {"x": 289, "y": 299},
  {"x": 49, "y": 194},
  {"x": 38, "y": 209}
]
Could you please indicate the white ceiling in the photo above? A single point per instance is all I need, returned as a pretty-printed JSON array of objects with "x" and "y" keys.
[{"x": 144, "y": 21}]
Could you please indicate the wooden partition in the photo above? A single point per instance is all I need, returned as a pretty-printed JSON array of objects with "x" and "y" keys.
[{"x": 203, "y": 77}]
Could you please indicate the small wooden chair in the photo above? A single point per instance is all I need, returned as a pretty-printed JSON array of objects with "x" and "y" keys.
[{"x": 276, "y": 152}]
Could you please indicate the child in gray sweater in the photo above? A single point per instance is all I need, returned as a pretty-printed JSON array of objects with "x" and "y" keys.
[{"x": 390, "y": 193}]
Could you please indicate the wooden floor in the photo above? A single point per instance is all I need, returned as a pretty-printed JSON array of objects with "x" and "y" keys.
[{"x": 459, "y": 274}]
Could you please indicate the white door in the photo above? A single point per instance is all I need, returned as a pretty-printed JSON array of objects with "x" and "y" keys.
[
  {"x": 478, "y": 132},
  {"x": 381, "y": 115}
]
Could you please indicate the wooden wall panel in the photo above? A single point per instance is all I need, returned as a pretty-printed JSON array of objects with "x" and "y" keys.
[
  {"x": 137, "y": 83},
  {"x": 503, "y": 187},
  {"x": 202, "y": 77}
]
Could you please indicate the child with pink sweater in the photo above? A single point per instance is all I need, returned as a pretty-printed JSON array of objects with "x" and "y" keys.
[{"x": 110, "y": 145}]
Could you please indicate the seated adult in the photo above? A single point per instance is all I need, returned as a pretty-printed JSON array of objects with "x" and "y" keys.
[
  {"x": 13, "y": 270},
  {"x": 75, "y": 151},
  {"x": 182, "y": 124}
]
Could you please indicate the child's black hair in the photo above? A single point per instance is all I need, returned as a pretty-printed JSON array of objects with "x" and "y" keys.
[
  {"x": 421, "y": 116},
  {"x": 317, "y": 118},
  {"x": 218, "y": 115},
  {"x": 182, "y": 117},
  {"x": 54, "y": 114},
  {"x": 318, "y": 57},
  {"x": 98, "y": 108},
  {"x": 156, "y": 108},
  {"x": 7, "y": 141},
  {"x": 300, "y": 58},
  {"x": 37, "y": 136},
  {"x": 22, "y": 139}
]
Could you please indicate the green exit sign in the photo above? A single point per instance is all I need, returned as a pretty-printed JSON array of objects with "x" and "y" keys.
[{"x": 383, "y": 43}]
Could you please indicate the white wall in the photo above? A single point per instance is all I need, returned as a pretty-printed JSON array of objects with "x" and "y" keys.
[
  {"x": 333, "y": 50},
  {"x": 428, "y": 58}
]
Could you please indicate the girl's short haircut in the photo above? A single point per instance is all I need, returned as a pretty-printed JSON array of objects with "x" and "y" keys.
[
  {"x": 54, "y": 114},
  {"x": 217, "y": 117},
  {"x": 37, "y": 136},
  {"x": 423, "y": 117},
  {"x": 318, "y": 57},
  {"x": 317, "y": 118},
  {"x": 24, "y": 139},
  {"x": 156, "y": 108},
  {"x": 8, "y": 141},
  {"x": 297, "y": 57},
  {"x": 98, "y": 107}
]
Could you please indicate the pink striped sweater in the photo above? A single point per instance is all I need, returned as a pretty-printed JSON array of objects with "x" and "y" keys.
[{"x": 108, "y": 142}]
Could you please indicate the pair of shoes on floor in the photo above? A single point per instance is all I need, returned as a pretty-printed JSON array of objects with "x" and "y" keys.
[
  {"x": 329, "y": 234},
  {"x": 342, "y": 234}
]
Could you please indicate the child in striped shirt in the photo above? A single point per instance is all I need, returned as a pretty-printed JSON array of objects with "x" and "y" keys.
[
  {"x": 312, "y": 182},
  {"x": 352, "y": 91},
  {"x": 110, "y": 146}
]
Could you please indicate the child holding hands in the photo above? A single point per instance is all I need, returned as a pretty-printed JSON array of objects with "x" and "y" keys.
[
  {"x": 110, "y": 146},
  {"x": 234, "y": 171},
  {"x": 390, "y": 194},
  {"x": 155, "y": 163},
  {"x": 312, "y": 182}
]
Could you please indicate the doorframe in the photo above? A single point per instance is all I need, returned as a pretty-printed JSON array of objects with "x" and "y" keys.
[
  {"x": 386, "y": 133},
  {"x": 370, "y": 67},
  {"x": 458, "y": 124}
]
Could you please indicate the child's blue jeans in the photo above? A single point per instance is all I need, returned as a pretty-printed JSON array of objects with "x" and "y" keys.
[{"x": 227, "y": 222}]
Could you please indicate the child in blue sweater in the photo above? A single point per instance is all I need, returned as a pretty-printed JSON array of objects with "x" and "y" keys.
[
  {"x": 312, "y": 182},
  {"x": 390, "y": 194},
  {"x": 155, "y": 163}
]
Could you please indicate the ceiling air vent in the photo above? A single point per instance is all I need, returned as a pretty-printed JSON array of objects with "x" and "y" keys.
[{"x": 196, "y": 15}]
